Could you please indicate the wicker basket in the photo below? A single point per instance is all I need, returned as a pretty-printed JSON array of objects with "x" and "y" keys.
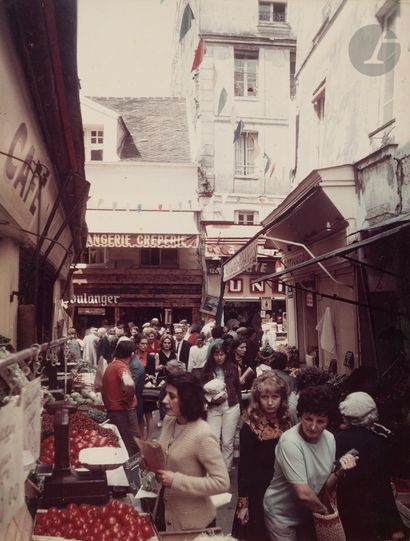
[{"x": 329, "y": 527}]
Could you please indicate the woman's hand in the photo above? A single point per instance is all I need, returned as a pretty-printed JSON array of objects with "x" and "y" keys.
[
  {"x": 165, "y": 477},
  {"x": 243, "y": 515},
  {"x": 348, "y": 461}
]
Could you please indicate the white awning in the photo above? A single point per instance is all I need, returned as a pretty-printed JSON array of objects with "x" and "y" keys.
[{"x": 149, "y": 222}]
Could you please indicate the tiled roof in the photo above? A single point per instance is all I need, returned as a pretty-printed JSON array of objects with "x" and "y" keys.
[{"x": 157, "y": 126}]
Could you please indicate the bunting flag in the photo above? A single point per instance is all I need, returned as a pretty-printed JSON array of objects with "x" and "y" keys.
[
  {"x": 199, "y": 54},
  {"x": 256, "y": 147},
  {"x": 160, "y": 206},
  {"x": 238, "y": 131},
  {"x": 223, "y": 97},
  {"x": 100, "y": 202},
  {"x": 180, "y": 205},
  {"x": 268, "y": 163},
  {"x": 114, "y": 205},
  {"x": 89, "y": 197},
  {"x": 186, "y": 22},
  {"x": 238, "y": 199},
  {"x": 139, "y": 208}
]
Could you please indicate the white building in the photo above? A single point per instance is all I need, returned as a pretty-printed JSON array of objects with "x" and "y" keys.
[
  {"x": 246, "y": 77},
  {"x": 350, "y": 201},
  {"x": 143, "y": 239}
]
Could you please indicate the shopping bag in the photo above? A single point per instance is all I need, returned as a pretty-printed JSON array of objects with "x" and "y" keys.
[{"x": 329, "y": 527}]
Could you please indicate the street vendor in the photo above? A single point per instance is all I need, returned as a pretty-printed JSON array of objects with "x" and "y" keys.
[{"x": 118, "y": 394}]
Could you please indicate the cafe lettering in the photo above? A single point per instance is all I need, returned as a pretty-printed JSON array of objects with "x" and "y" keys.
[{"x": 128, "y": 240}]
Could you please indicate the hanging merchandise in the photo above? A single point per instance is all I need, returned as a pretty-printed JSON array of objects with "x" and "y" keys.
[
  {"x": 199, "y": 54},
  {"x": 186, "y": 22},
  {"x": 223, "y": 97}
]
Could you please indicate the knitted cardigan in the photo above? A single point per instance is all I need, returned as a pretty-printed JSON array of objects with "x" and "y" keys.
[{"x": 200, "y": 472}]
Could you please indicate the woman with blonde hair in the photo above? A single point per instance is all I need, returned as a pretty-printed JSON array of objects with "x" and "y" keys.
[{"x": 264, "y": 421}]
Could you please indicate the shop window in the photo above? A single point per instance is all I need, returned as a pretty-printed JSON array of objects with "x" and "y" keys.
[
  {"x": 154, "y": 257},
  {"x": 245, "y": 154},
  {"x": 246, "y": 72},
  {"x": 272, "y": 12},
  {"x": 245, "y": 217},
  {"x": 96, "y": 256}
]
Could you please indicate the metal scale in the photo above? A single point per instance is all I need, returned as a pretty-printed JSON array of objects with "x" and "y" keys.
[{"x": 67, "y": 485}]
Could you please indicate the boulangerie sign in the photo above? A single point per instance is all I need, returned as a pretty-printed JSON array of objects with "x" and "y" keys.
[
  {"x": 30, "y": 402},
  {"x": 12, "y": 476}
]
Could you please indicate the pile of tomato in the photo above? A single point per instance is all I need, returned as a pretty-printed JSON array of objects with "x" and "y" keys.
[
  {"x": 80, "y": 439},
  {"x": 115, "y": 521}
]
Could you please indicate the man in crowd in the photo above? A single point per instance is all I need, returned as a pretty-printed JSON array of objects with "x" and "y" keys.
[
  {"x": 118, "y": 393},
  {"x": 182, "y": 346}
]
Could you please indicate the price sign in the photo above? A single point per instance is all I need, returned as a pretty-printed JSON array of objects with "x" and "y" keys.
[
  {"x": 132, "y": 471},
  {"x": 30, "y": 402},
  {"x": 11, "y": 463}
]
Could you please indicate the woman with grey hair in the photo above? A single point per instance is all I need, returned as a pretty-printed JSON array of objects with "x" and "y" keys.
[{"x": 365, "y": 498}]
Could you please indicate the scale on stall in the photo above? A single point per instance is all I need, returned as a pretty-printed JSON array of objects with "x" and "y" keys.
[{"x": 67, "y": 485}]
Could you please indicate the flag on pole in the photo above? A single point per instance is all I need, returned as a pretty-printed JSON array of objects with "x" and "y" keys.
[
  {"x": 199, "y": 54},
  {"x": 256, "y": 147},
  {"x": 238, "y": 131},
  {"x": 268, "y": 163},
  {"x": 186, "y": 22},
  {"x": 223, "y": 97}
]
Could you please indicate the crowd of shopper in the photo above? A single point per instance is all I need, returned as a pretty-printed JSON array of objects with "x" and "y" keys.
[{"x": 296, "y": 431}]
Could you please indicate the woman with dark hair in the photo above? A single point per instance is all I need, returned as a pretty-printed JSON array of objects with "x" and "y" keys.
[
  {"x": 365, "y": 498},
  {"x": 304, "y": 460},
  {"x": 219, "y": 373},
  {"x": 149, "y": 404},
  {"x": 194, "y": 468},
  {"x": 264, "y": 422},
  {"x": 247, "y": 368},
  {"x": 166, "y": 353}
]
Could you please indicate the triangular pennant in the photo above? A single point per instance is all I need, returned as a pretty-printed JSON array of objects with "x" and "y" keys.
[
  {"x": 160, "y": 206},
  {"x": 139, "y": 208},
  {"x": 199, "y": 54},
  {"x": 189, "y": 203},
  {"x": 186, "y": 22},
  {"x": 100, "y": 202},
  {"x": 238, "y": 131},
  {"x": 114, "y": 205},
  {"x": 223, "y": 97}
]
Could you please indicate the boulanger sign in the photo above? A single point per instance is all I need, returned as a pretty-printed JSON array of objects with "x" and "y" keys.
[
  {"x": 130, "y": 240},
  {"x": 101, "y": 300}
]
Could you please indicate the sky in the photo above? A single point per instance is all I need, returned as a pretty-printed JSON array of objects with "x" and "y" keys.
[{"x": 125, "y": 47}]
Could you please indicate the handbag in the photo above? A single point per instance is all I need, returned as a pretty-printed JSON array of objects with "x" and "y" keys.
[{"x": 329, "y": 527}]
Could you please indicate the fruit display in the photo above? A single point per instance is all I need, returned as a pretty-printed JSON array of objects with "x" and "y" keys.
[
  {"x": 116, "y": 521},
  {"x": 79, "y": 439}
]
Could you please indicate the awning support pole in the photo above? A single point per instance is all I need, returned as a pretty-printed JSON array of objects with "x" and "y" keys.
[{"x": 312, "y": 255}]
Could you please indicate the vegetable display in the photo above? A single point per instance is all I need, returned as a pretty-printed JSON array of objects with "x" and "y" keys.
[
  {"x": 116, "y": 521},
  {"x": 80, "y": 439}
]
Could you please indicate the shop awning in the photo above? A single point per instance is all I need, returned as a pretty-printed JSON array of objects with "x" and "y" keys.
[
  {"x": 132, "y": 221},
  {"x": 324, "y": 197},
  {"x": 335, "y": 253}
]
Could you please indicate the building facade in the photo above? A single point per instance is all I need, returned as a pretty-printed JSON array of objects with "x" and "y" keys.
[
  {"x": 343, "y": 228},
  {"x": 234, "y": 63},
  {"x": 143, "y": 242},
  {"x": 43, "y": 191}
]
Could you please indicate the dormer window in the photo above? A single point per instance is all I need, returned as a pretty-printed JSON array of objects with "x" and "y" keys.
[{"x": 94, "y": 144}]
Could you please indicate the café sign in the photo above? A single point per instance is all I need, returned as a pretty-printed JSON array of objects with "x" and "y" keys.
[
  {"x": 241, "y": 261},
  {"x": 141, "y": 240}
]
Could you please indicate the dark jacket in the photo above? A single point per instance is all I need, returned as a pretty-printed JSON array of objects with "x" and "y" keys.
[{"x": 184, "y": 353}]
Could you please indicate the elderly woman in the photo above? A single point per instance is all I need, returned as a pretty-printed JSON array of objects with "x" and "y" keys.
[
  {"x": 194, "y": 468},
  {"x": 304, "y": 460},
  {"x": 365, "y": 498},
  {"x": 264, "y": 422}
]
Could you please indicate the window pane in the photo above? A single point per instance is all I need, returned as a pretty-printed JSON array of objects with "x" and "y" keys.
[
  {"x": 239, "y": 77},
  {"x": 279, "y": 12},
  {"x": 265, "y": 11},
  {"x": 96, "y": 155}
]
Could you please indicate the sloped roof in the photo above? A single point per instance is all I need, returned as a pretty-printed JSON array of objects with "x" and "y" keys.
[{"x": 157, "y": 126}]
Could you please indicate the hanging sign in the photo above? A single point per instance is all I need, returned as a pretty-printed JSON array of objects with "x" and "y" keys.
[
  {"x": 241, "y": 261},
  {"x": 30, "y": 402},
  {"x": 131, "y": 240},
  {"x": 12, "y": 476},
  {"x": 266, "y": 303}
]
